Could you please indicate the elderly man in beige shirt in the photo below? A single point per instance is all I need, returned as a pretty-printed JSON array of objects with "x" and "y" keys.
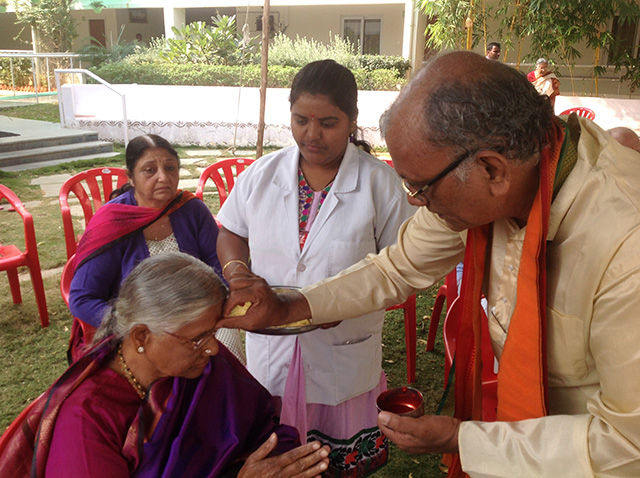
[{"x": 467, "y": 136}]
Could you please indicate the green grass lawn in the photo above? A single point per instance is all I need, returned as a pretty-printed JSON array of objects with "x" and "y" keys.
[
  {"x": 43, "y": 112},
  {"x": 34, "y": 357}
]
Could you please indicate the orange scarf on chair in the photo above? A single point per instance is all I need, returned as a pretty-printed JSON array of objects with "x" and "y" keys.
[{"x": 522, "y": 378}]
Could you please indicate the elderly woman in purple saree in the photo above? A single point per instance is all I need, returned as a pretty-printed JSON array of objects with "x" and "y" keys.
[{"x": 157, "y": 400}]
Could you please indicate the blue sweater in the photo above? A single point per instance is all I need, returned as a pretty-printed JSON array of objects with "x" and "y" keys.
[{"x": 98, "y": 280}]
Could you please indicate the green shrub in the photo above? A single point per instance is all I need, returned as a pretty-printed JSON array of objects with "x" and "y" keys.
[
  {"x": 300, "y": 51},
  {"x": 22, "y": 75},
  {"x": 174, "y": 62},
  {"x": 222, "y": 75},
  {"x": 378, "y": 80},
  {"x": 199, "y": 59},
  {"x": 220, "y": 44},
  {"x": 385, "y": 62}
]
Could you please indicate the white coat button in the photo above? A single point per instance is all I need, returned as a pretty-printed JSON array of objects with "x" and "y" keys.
[{"x": 302, "y": 268}]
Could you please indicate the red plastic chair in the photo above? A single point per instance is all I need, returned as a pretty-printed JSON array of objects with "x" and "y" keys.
[
  {"x": 65, "y": 280},
  {"x": 223, "y": 174},
  {"x": 410, "y": 325},
  {"x": 580, "y": 111},
  {"x": 409, "y": 309},
  {"x": 11, "y": 258},
  {"x": 489, "y": 377},
  {"x": 92, "y": 188},
  {"x": 447, "y": 292}
]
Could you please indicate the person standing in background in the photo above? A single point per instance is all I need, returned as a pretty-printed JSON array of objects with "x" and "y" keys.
[{"x": 493, "y": 51}]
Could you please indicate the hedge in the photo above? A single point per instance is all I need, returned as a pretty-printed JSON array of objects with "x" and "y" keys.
[{"x": 161, "y": 73}]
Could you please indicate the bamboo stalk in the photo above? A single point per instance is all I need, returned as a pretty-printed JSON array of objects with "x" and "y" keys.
[
  {"x": 470, "y": 26},
  {"x": 484, "y": 24}
]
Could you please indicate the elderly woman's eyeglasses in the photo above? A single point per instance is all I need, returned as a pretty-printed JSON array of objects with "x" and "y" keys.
[
  {"x": 453, "y": 165},
  {"x": 195, "y": 344}
]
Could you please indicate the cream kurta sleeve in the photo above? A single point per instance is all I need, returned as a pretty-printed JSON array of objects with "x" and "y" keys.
[{"x": 426, "y": 250}]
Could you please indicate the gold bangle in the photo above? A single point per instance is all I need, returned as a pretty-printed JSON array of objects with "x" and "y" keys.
[{"x": 231, "y": 262}]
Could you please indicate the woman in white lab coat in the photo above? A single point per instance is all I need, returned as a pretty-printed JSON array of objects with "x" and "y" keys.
[{"x": 303, "y": 214}]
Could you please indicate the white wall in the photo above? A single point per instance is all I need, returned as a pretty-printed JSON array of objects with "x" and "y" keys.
[
  {"x": 610, "y": 112},
  {"x": 210, "y": 115},
  {"x": 204, "y": 115}
]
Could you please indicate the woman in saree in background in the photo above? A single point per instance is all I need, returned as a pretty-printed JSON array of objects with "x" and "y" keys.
[
  {"x": 148, "y": 216},
  {"x": 158, "y": 396},
  {"x": 544, "y": 80}
]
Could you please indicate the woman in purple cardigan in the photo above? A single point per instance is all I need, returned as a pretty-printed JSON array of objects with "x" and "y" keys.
[{"x": 148, "y": 216}]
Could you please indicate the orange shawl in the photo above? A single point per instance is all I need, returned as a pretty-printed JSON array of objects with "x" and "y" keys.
[{"x": 522, "y": 378}]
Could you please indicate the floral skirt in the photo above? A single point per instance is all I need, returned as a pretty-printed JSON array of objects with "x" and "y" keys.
[
  {"x": 359, "y": 456},
  {"x": 358, "y": 447}
]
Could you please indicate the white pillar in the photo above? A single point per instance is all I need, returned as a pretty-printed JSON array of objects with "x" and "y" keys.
[
  {"x": 409, "y": 31},
  {"x": 173, "y": 17}
]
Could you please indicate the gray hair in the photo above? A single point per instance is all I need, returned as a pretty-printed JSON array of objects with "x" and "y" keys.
[
  {"x": 541, "y": 60},
  {"x": 496, "y": 108},
  {"x": 164, "y": 292}
]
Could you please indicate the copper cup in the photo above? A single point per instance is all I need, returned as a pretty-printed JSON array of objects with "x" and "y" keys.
[{"x": 403, "y": 401}]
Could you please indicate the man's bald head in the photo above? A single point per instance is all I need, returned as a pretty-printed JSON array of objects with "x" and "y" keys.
[
  {"x": 626, "y": 137},
  {"x": 464, "y": 101}
]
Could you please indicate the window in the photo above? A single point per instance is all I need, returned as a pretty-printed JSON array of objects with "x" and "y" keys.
[
  {"x": 363, "y": 33},
  {"x": 624, "y": 34}
]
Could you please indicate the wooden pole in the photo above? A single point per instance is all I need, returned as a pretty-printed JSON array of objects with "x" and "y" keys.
[{"x": 263, "y": 77}]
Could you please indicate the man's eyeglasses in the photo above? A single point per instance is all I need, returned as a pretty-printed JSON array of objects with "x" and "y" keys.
[
  {"x": 195, "y": 344},
  {"x": 453, "y": 165}
]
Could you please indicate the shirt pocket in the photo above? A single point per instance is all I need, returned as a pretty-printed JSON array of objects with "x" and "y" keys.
[
  {"x": 357, "y": 367},
  {"x": 566, "y": 349},
  {"x": 344, "y": 253}
]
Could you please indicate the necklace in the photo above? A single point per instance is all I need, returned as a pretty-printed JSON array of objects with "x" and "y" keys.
[{"x": 129, "y": 375}]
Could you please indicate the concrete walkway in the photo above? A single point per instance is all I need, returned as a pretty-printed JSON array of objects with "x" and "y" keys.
[
  {"x": 31, "y": 140},
  {"x": 32, "y": 129}
]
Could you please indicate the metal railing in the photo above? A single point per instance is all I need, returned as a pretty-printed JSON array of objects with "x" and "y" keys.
[
  {"x": 36, "y": 58},
  {"x": 82, "y": 71}
]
